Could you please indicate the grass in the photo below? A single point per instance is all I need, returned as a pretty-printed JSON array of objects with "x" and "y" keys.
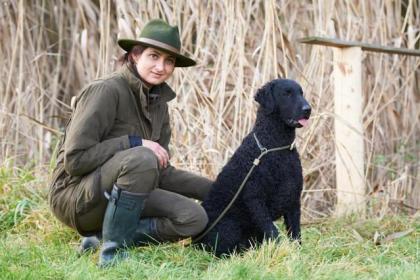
[{"x": 34, "y": 245}]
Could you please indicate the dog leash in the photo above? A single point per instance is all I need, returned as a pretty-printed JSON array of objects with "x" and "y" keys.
[{"x": 255, "y": 163}]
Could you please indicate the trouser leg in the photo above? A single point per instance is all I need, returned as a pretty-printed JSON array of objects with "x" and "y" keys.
[
  {"x": 168, "y": 217},
  {"x": 185, "y": 183},
  {"x": 134, "y": 170},
  {"x": 178, "y": 217}
]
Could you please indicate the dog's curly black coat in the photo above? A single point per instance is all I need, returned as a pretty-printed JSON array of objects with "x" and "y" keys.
[{"x": 274, "y": 188}]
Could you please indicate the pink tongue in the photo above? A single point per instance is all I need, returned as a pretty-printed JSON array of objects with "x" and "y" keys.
[{"x": 303, "y": 122}]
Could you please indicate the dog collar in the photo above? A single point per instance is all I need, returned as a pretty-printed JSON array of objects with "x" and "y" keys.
[{"x": 264, "y": 149}]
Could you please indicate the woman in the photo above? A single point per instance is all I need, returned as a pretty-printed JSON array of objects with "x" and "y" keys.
[{"x": 113, "y": 177}]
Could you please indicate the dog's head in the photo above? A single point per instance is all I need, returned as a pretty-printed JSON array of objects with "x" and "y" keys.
[{"x": 285, "y": 98}]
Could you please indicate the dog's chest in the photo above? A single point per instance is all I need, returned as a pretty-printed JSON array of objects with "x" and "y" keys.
[
  {"x": 283, "y": 174},
  {"x": 283, "y": 163}
]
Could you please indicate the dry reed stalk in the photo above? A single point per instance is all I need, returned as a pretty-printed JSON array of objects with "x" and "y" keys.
[{"x": 51, "y": 49}]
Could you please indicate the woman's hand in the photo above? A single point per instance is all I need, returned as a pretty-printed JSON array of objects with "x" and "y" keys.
[{"x": 159, "y": 151}]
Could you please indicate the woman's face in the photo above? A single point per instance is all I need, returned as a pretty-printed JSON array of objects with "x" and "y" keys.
[{"x": 155, "y": 66}]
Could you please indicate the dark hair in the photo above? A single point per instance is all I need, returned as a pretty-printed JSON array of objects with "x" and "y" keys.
[{"x": 128, "y": 57}]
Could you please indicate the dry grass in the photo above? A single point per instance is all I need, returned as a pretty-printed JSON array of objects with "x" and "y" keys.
[{"x": 50, "y": 49}]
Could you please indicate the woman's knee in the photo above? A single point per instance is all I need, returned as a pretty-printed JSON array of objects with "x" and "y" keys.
[
  {"x": 139, "y": 170},
  {"x": 183, "y": 217},
  {"x": 201, "y": 221},
  {"x": 140, "y": 159},
  {"x": 193, "y": 221}
]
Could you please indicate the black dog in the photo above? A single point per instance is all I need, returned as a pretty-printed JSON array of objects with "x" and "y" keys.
[{"x": 274, "y": 188}]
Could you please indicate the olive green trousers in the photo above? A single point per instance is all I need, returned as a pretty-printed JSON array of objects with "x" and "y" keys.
[{"x": 172, "y": 194}]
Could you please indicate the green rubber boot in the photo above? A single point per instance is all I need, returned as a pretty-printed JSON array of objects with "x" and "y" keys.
[
  {"x": 146, "y": 232},
  {"x": 120, "y": 224},
  {"x": 89, "y": 244}
]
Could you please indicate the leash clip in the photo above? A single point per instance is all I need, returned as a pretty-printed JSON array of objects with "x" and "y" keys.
[{"x": 261, "y": 147}]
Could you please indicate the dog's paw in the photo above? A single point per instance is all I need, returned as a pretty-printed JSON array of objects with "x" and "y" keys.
[{"x": 272, "y": 233}]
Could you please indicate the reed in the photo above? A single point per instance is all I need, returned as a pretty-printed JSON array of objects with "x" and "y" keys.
[{"x": 50, "y": 49}]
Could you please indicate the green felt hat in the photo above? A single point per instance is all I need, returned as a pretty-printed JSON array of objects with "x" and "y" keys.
[{"x": 160, "y": 35}]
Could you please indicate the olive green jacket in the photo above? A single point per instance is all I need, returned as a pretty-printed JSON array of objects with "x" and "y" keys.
[{"x": 106, "y": 113}]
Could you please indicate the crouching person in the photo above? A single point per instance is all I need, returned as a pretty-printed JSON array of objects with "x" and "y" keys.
[{"x": 113, "y": 180}]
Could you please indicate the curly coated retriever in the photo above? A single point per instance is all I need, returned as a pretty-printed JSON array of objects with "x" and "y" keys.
[{"x": 274, "y": 188}]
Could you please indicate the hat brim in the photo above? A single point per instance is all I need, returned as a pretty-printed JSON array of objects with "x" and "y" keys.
[{"x": 180, "y": 60}]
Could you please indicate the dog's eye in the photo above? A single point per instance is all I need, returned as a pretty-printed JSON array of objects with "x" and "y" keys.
[{"x": 288, "y": 92}]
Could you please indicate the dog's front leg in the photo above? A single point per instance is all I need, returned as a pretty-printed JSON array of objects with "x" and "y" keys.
[
  {"x": 292, "y": 222},
  {"x": 260, "y": 216}
]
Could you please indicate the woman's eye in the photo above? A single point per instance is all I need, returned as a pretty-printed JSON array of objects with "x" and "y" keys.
[
  {"x": 170, "y": 61},
  {"x": 154, "y": 56}
]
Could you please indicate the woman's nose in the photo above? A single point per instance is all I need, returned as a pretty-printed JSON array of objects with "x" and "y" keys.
[{"x": 160, "y": 65}]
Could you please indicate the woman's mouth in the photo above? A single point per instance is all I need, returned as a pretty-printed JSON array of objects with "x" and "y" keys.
[{"x": 157, "y": 75}]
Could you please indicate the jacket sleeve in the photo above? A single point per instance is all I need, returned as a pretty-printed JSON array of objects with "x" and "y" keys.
[
  {"x": 165, "y": 134},
  {"x": 92, "y": 120}
]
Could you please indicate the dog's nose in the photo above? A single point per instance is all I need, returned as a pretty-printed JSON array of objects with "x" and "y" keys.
[{"x": 306, "y": 110}]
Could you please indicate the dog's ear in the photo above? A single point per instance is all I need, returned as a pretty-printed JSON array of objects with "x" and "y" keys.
[{"x": 265, "y": 98}]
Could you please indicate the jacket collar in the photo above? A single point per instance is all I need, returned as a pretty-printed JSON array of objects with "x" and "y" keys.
[{"x": 164, "y": 91}]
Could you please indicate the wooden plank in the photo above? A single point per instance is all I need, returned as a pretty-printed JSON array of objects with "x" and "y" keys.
[
  {"x": 337, "y": 43},
  {"x": 348, "y": 124}
]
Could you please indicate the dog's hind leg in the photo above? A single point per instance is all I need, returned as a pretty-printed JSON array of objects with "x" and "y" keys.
[
  {"x": 248, "y": 241},
  {"x": 229, "y": 235}
]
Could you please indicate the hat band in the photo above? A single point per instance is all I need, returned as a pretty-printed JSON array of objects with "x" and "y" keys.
[{"x": 158, "y": 44}]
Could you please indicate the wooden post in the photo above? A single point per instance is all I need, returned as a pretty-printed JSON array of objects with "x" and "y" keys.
[
  {"x": 349, "y": 150},
  {"x": 351, "y": 187}
]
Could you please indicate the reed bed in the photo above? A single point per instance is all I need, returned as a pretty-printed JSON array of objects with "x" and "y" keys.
[{"x": 51, "y": 49}]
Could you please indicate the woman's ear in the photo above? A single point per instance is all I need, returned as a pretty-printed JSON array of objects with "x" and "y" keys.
[
  {"x": 265, "y": 98},
  {"x": 134, "y": 57}
]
